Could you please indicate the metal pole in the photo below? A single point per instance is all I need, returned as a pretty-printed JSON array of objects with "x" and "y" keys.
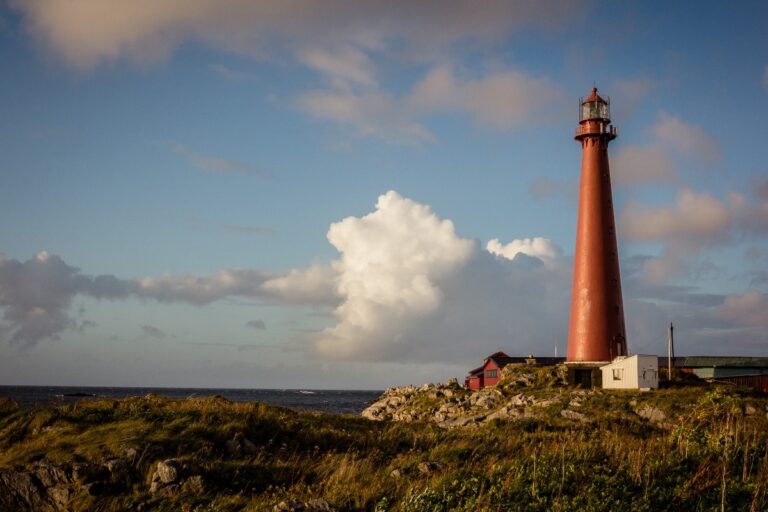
[{"x": 670, "y": 350}]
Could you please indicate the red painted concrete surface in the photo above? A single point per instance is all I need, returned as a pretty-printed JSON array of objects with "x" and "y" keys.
[{"x": 597, "y": 331}]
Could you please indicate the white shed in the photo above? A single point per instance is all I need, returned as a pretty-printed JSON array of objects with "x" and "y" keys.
[{"x": 633, "y": 372}]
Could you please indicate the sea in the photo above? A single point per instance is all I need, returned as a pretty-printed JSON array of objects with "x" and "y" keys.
[{"x": 321, "y": 400}]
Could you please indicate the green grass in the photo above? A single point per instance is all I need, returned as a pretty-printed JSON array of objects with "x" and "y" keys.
[{"x": 617, "y": 461}]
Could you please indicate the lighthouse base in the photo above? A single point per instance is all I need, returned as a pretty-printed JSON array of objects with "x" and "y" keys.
[{"x": 585, "y": 374}]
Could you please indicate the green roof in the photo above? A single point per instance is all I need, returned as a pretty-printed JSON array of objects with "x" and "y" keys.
[{"x": 740, "y": 362}]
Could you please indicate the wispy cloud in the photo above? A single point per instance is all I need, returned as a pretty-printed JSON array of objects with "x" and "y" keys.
[
  {"x": 643, "y": 165},
  {"x": 345, "y": 64},
  {"x": 370, "y": 113},
  {"x": 151, "y": 30},
  {"x": 673, "y": 140},
  {"x": 765, "y": 77},
  {"x": 686, "y": 138},
  {"x": 547, "y": 188},
  {"x": 231, "y": 74},
  {"x": 749, "y": 309},
  {"x": 256, "y": 324},
  {"x": 696, "y": 221},
  {"x": 626, "y": 94},
  {"x": 258, "y": 230},
  {"x": 506, "y": 99},
  {"x": 213, "y": 164},
  {"x": 150, "y": 331},
  {"x": 240, "y": 347}
]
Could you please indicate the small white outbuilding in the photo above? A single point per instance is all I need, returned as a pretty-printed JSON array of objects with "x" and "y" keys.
[{"x": 631, "y": 372}]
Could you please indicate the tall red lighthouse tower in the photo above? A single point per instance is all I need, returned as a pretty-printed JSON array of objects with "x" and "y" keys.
[{"x": 597, "y": 330}]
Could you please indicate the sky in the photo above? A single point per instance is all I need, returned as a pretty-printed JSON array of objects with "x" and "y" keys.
[{"x": 354, "y": 195}]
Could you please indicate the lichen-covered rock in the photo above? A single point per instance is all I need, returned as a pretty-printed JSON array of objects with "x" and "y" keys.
[
  {"x": 167, "y": 471},
  {"x": 651, "y": 413},
  {"x": 18, "y": 491},
  {"x": 509, "y": 413},
  {"x": 43, "y": 486},
  {"x": 166, "y": 474},
  {"x": 461, "y": 421},
  {"x": 449, "y": 405},
  {"x": 574, "y": 415},
  {"x": 49, "y": 475}
]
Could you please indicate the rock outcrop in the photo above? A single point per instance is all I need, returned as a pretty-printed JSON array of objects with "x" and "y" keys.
[
  {"x": 48, "y": 487},
  {"x": 524, "y": 392},
  {"x": 450, "y": 405}
]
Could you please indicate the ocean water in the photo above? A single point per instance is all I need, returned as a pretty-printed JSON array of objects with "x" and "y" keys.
[{"x": 331, "y": 401}]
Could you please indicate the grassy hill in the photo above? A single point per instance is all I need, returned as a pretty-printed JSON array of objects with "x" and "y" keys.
[{"x": 685, "y": 448}]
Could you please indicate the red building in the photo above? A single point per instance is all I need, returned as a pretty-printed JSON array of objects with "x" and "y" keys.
[{"x": 489, "y": 373}]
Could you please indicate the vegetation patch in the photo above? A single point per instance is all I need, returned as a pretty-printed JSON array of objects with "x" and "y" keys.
[{"x": 677, "y": 448}]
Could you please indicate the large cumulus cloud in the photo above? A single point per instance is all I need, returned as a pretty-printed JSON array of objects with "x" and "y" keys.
[
  {"x": 410, "y": 288},
  {"x": 405, "y": 287}
]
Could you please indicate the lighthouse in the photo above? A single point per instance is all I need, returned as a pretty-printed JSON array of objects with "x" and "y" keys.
[{"x": 596, "y": 331}]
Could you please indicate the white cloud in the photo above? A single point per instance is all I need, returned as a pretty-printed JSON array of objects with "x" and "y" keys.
[
  {"x": 391, "y": 261},
  {"x": 370, "y": 114},
  {"x": 86, "y": 33},
  {"x": 407, "y": 288},
  {"x": 686, "y": 138},
  {"x": 655, "y": 164},
  {"x": 696, "y": 217},
  {"x": 535, "y": 247},
  {"x": 411, "y": 289},
  {"x": 201, "y": 290},
  {"x": 696, "y": 221},
  {"x": 344, "y": 42},
  {"x": 347, "y": 64},
  {"x": 642, "y": 165},
  {"x": 312, "y": 285},
  {"x": 35, "y": 296},
  {"x": 503, "y": 99}
]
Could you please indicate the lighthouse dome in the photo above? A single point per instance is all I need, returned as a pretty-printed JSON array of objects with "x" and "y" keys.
[{"x": 594, "y": 106}]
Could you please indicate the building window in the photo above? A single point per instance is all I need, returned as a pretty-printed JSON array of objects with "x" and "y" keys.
[
  {"x": 618, "y": 374},
  {"x": 491, "y": 374}
]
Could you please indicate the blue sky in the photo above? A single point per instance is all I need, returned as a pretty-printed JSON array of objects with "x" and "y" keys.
[{"x": 181, "y": 163}]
